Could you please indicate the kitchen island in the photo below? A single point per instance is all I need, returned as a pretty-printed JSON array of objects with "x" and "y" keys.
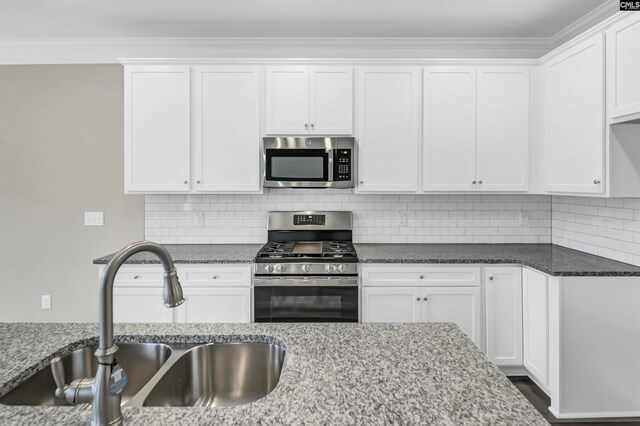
[{"x": 428, "y": 373}]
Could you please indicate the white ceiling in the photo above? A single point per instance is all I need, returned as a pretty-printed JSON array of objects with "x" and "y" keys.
[{"x": 56, "y": 19}]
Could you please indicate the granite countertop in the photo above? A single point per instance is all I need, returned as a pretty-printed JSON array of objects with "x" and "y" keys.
[
  {"x": 196, "y": 253},
  {"x": 428, "y": 373},
  {"x": 548, "y": 258}
]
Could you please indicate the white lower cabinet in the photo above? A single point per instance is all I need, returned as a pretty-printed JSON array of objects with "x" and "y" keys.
[
  {"x": 535, "y": 310},
  {"x": 438, "y": 294},
  {"x": 503, "y": 315},
  {"x": 220, "y": 294}
]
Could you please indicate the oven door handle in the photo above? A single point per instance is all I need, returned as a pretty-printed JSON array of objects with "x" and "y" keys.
[{"x": 299, "y": 281}]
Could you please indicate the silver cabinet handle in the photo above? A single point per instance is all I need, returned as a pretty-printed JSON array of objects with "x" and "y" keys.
[
  {"x": 306, "y": 126},
  {"x": 596, "y": 181},
  {"x": 313, "y": 126},
  {"x": 480, "y": 182},
  {"x": 491, "y": 277},
  {"x": 361, "y": 182},
  {"x": 474, "y": 182},
  {"x": 421, "y": 277},
  {"x": 186, "y": 181},
  {"x": 198, "y": 182},
  {"x": 425, "y": 299},
  {"x": 417, "y": 299},
  {"x": 135, "y": 277},
  {"x": 215, "y": 277}
]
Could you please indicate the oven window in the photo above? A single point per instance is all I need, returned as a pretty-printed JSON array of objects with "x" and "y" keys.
[
  {"x": 306, "y": 304},
  {"x": 297, "y": 164}
]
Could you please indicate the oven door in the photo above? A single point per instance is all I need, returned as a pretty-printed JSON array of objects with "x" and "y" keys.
[
  {"x": 299, "y": 300},
  {"x": 293, "y": 168}
]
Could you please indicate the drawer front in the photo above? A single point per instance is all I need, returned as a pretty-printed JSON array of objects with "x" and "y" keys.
[
  {"x": 218, "y": 276},
  {"x": 139, "y": 276},
  {"x": 420, "y": 275}
]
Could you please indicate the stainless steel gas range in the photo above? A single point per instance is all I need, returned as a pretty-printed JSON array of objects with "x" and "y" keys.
[{"x": 308, "y": 269}]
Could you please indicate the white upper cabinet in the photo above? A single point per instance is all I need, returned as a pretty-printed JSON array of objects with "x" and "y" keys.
[
  {"x": 476, "y": 128},
  {"x": 388, "y": 103},
  {"x": 503, "y": 129},
  {"x": 623, "y": 67},
  {"x": 227, "y": 129},
  {"x": 157, "y": 128},
  {"x": 304, "y": 100},
  {"x": 573, "y": 138},
  {"x": 449, "y": 151}
]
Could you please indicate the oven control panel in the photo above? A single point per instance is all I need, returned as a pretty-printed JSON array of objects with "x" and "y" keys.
[
  {"x": 309, "y": 219},
  {"x": 342, "y": 165}
]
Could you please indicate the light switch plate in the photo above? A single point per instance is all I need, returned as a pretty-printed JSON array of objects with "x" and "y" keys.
[
  {"x": 93, "y": 218},
  {"x": 46, "y": 301}
]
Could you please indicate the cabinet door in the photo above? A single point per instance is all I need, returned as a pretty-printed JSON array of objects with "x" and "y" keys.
[
  {"x": 157, "y": 129},
  {"x": 623, "y": 67},
  {"x": 388, "y": 103},
  {"x": 504, "y": 315},
  {"x": 331, "y": 101},
  {"x": 459, "y": 305},
  {"x": 215, "y": 304},
  {"x": 503, "y": 129},
  {"x": 390, "y": 304},
  {"x": 227, "y": 129},
  {"x": 573, "y": 141},
  {"x": 140, "y": 304},
  {"x": 535, "y": 307},
  {"x": 287, "y": 106},
  {"x": 449, "y": 150}
]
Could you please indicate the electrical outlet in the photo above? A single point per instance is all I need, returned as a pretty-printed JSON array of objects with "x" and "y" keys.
[
  {"x": 46, "y": 301},
  {"x": 93, "y": 218},
  {"x": 523, "y": 218},
  {"x": 198, "y": 220},
  {"x": 402, "y": 218},
  {"x": 608, "y": 228}
]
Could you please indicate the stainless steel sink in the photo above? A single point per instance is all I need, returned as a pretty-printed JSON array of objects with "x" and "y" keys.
[
  {"x": 219, "y": 375},
  {"x": 141, "y": 361}
]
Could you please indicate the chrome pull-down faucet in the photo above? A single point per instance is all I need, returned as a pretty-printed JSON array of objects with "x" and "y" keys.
[{"x": 105, "y": 390}]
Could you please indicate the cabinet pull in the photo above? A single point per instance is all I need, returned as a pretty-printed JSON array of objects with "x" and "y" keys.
[
  {"x": 313, "y": 126},
  {"x": 361, "y": 182},
  {"x": 596, "y": 181},
  {"x": 135, "y": 277},
  {"x": 425, "y": 299},
  {"x": 417, "y": 299},
  {"x": 215, "y": 277},
  {"x": 421, "y": 277},
  {"x": 186, "y": 182},
  {"x": 474, "y": 182},
  {"x": 491, "y": 277},
  {"x": 480, "y": 182},
  {"x": 198, "y": 182},
  {"x": 306, "y": 127}
]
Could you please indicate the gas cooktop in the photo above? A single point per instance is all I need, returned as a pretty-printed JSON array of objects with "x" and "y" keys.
[{"x": 303, "y": 249}]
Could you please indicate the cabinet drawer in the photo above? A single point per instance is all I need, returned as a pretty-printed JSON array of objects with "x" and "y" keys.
[
  {"x": 139, "y": 276},
  {"x": 223, "y": 276},
  {"x": 420, "y": 275}
]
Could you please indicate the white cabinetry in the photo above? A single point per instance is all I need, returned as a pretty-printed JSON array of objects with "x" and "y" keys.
[
  {"x": 476, "y": 128},
  {"x": 415, "y": 293},
  {"x": 157, "y": 129},
  {"x": 573, "y": 137},
  {"x": 212, "y": 294},
  {"x": 623, "y": 67},
  {"x": 504, "y": 315},
  {"x": 309, "y": 100},
  {"x": 535, "y": 310},
  {"x": 388, "y": 103},
  {"x": 226, "y": 137}
]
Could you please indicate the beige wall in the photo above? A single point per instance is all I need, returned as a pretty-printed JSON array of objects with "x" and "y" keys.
[{"x": 61, "y": 154}]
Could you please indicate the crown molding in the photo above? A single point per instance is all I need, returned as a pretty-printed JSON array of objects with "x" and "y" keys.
[
  {"x": 598, "y": 15},
  {"x": 107, "y": 50}
]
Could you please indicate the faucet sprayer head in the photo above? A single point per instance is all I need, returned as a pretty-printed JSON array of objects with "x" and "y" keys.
[{"x": 172, "y": 291}]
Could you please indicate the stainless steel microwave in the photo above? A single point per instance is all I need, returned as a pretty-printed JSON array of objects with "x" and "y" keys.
[{"x": 314, "y": 162}]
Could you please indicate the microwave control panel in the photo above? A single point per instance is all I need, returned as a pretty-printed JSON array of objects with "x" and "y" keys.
[{"x": 342, "y": 165}]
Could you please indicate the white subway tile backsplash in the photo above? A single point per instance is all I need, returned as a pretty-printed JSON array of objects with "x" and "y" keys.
[{"x": 429, "y": 218}]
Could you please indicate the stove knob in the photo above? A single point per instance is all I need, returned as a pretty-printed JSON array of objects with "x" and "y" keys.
[
  {"x": 342, "y": 268},
  {"x": 330, "y": 268},
  {"x": 305, "y": 268},
  {"x": 280, "y": 268},
  {"x": 268, "y": 268}
]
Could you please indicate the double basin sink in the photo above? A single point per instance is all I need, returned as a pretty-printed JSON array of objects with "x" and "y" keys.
[{"x": 170, "y": 375}]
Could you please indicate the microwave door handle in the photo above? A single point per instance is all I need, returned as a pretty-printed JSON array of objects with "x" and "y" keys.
[{"x": 331, "y": 153}]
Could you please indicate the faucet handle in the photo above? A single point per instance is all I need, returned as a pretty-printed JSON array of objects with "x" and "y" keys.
[{"x": 57, "y": 370}]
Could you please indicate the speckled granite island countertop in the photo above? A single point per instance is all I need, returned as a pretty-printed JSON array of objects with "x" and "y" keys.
[
  {"x": 548, "y": 258},
  {"x": 343, "y": 374},
  {"x": 196, "y": 253}
]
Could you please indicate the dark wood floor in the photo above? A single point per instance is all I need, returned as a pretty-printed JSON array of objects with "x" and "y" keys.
[{"x": 541, "y": 401}]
